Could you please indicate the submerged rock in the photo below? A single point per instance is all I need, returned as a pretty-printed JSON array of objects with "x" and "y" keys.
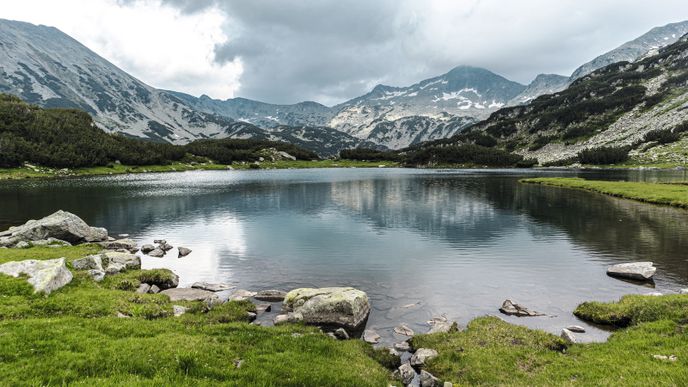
[
  {"x": 404, "y": 329},
  {"x": 61, "y": 225},
  {"x": 186, "y": 294},
  {"x": 638, "y": 271},
  {"x": 345, "y": 307},
  {"x": 183, "y": 251},
  {"x": 513, "y": 309},
  {"x": 45, "y": 276},
  {"x": 371, "y": 337},
  {"x": 422, "y": 355},
  {"x": 270, "y": 295},
  {"x": 178, "y": 310}
]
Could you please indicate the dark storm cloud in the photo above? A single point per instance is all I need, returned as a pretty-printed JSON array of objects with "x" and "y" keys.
[{"x": 332, "y": 50}]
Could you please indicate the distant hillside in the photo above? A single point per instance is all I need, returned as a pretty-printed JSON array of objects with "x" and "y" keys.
[{"x": 640, "y": 109}]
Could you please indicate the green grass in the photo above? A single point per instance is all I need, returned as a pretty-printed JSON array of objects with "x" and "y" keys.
[
  {"x": 635, "y": 309},
  {"x": 74, "y": 337},
  {"x": 493, "y": 352},
  {"x": 666, "y": 194},
  {"x": 117, "y": 169}
]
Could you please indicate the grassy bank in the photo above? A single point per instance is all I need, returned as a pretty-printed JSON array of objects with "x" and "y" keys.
[
  {"x": 666, "y": 194},
  {"x": 116, "y": 169},
  {"x": 74, "y": 337}
]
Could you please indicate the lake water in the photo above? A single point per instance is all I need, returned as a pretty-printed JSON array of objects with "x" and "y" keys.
[{"x": 421, "y": 243}]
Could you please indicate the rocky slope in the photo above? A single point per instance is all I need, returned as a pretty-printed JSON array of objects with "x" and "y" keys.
[{"x": 640, "y": 106}]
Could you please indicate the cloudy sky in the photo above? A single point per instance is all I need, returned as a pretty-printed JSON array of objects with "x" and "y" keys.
[{"x": 331, "y": 50}]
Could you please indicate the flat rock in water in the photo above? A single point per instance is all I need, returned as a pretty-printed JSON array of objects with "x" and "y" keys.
[
  {"x": 404, "y": 329},
  {"x": 61, "y": 225},
  {"x": 147, "y": 248},
  {"x": 403, "y": 346},
  {"x": 576, "y": 328},
  {"x": 45, "y": 276},
  {"x": 370, "y": 336},
  {"x": 342, "y": 306},
  {"x": 422, "y": 355},
  {"x": 638, "y": 271},
  {"x": 186, "y": 294},
  {"x": 440, "y": 326},
  {"x": 270, "y": 295},
  {"x": 213, "y": 287},
  {"x": 121, "y": 244},
  {"x": 183, "y": 251},
  {"x": 513, "y": 309}
]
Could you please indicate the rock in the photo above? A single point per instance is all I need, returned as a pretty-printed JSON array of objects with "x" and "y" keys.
[
  {"x": 22, "y": 245},
  {"x": 130, "y": 261},
  {"x": 404, "y": 329},
  {"x": 165, "y": 246},
  {"x": 639, "y": 271},
  {"x": 422, "y": 355},
  {"x": 441, "y": 327},
  {"x": 428, "y": 380},
  {"x": 262, "y": 308},
  {"x": 683, "y": 291},
  {"x": 50, "y": 242},
  {"x": 345, "y": 307},
  {"x": 371, "y": 337},
  {"x": 394, "y": 352},
  {"x": 568, "y": 336},
  {"x": 341, "y": 334},
  {"x": 159, "y": 241},
  {"x": 45, "y": 276},
  {"x": 91, "y": 262},
  {"x": 186, "y": 294},
  {"x": 671, "y": 358},
  {"x": 241, "y": 295},
  {"x": 183, "y": 251},
  {"x": 403, "y": 346},
  {"x": 218, "y": 287},
  {"x": 143, "y": 289},
  {"x": 156, "y": 253},
  {"x": 213, "y": 300},
  {"x": 178, "y": 310},
  {"x": 238, "y": 363},
  {"x": 122, "y": 315},
  {"x": 447, "y": 384},
  {"x": 654, "y": 294},
  {"x": 121, "y": 244},
  {"x": 406, "y": 373},
  {"x": 147, "y": 248},
  {"x": 291, "y": 317},
  {"x": 154, "y": 289},
  {"x": 576, "y": 328},
  {"x": 270, "y": 295},
  {"x": 513, "y": 309},
  {"x": 115, "y": 268},
  {"x": 61, "y": 225},
  {"x": 285, "y": 155},
  {"x": 96, "y": 275}
]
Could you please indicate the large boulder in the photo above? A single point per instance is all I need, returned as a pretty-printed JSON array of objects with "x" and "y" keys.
[
  {"x": 345, "y": 307},
  {"x": 61, "y": 225},
  {"x": 45, "y": 276},
  {"x": 638, "y": 271}
]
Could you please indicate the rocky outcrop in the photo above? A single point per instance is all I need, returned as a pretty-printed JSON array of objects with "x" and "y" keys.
[
  {"x": 45, "y": 276},
  {"x": 638, "y": 271},
  {"x": 345, "y": 307},
  {"x": 61, "y": 225},
  {"x": 212, "y": 287},
  {"x": 513, "y": 309}
]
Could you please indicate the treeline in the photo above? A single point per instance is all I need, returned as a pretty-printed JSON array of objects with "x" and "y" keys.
[
  {"x": 68, "y": 138},
  {"x": 364, "y": 154}
]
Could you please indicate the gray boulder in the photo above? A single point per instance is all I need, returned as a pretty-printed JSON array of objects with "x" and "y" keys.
[
  {"x": 61, "y": 225},
  {"x": 91, "y": 262},
  {"x": 428, "y": 380},
  {"x": 241, "y": 295},
  {"x": 154, "y": 289},
  {"x": 147, "y": 248},
  {"x": 568, "y": 336},
  {"x": 576, "y": 328},
  {"x": 143, "y": 289},
  {"x": 422, "y": 355},
  {"x": 406, "y": 373},
  {"x": 213, "y": 287},
  {"x": 638, "y": 271},
  {"x": 165, "y": 246},
  {"x": 371, "y": 337},
  {"x": 115, "y": 268},
  {"x": 121, "y": 244},
  {"x": 183, "y": 251},
  {"x": 513, "y": 309},
  {"x": 270, "y": 295},
  {"x": 186, "y": 294},
  {"x": 403, "y": 346},
  {"x": 45, "y": 276},
  {"x": 22, "y": 245},
  {"x": 403, "y": 329},
  {"x": 341, "y": 334},
  {"x": 96, "y": 275},
  {"x": 156, "y": 253},
  {"x": 178, "y": 310},
  {"x": 130, "y": 261},
  {"x": 345, "y": 307}
]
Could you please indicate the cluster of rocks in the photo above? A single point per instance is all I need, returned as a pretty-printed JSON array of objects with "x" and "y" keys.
[
  {"x": 160, "y": 247},
  {"x": 60, "y": 228}
]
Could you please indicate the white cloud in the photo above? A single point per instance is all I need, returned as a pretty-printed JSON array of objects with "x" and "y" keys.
[{"x": 158, "y": 44}]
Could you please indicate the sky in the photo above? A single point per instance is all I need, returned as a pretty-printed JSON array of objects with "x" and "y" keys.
[{"x": 329, "y": 51}]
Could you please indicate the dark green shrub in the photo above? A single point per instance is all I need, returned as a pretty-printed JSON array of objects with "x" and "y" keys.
[{"x": 603, "y": 155}]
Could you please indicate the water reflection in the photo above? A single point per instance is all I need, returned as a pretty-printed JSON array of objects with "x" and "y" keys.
[{"x": 420, "y": 243}]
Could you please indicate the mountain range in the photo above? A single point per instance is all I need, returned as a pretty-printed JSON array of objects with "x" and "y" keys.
[{"x": 44, "y": 66}]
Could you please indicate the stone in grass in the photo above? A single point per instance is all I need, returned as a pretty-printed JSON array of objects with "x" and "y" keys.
[
  {"x": 241, "y": 295},
  {"x": 371, "y": 337},
  {"x": 154, "y": 289},
  {"x": 91, "y": 262},
  {"x": 422, "y": 355},
  {"x": 341, "y": 334},
  {"x": 403, "y": 346},
  {"x": 343, "y": 307},
  {"x": 428, "y": 380},
  {"x": 186, "y": 294},
  {"x": 263, "y": 308},
  {"x": 130, "y": 261},
  {"x": 143, "y": 288},
  {"x": 183, "y": 251},
  {"x": 513, "y": 309},
  {"x": 291, "y": 317},
  {"x": 404, "y": 329},
  {"x": 568, "y": 336},
  {"x": 405, "y": 373},
  {"x": 61, "y": 225},
  {"x": 178, "y": 310},
  {"x": 45, "y": 276},
  {"x": 96, "y": 275},
  {"x": 638, "y": 271},
  {"x": 683, "y": 291}
]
